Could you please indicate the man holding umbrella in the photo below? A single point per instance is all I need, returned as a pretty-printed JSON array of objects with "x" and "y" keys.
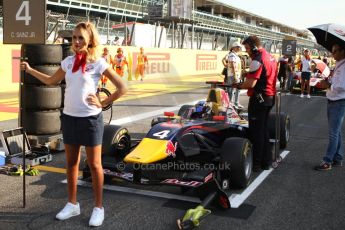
[{"x": 332, "y": 38}]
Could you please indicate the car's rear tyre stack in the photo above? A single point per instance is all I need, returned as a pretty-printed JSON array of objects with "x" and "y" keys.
[
  {"x": 42, "y": 97},
  {"x": 41, "y": 122},
  {"x": 47, "y": 69},
  {"x": 40, "y": 105},
  {"x": 66, "y": 51}
]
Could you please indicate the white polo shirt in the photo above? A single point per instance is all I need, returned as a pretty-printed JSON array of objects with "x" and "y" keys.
[
  {"x": 79, "y": 85},
  {"x": 337, "y": 90},
  {"x": 306, "y": 65},
  {"x": 233, "y": 57}
]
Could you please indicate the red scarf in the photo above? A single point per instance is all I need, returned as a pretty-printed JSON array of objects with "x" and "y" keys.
[{"x": 80, "y": 60}]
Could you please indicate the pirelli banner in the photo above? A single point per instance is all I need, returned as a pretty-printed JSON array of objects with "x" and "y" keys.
[
  {"x": 162, "y": 63},
  {"x": 176, "y": 62}
]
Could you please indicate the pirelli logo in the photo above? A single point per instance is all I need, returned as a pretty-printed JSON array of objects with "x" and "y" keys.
[
  {"x": 206, "y": 62},
  {"x": 157, "y": 62}
]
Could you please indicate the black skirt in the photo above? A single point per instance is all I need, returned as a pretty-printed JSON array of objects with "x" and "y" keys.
[{"x": 86, "y": 131}]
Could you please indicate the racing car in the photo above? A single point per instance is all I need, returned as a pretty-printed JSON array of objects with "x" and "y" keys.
[{"x": 204, "y": 149}]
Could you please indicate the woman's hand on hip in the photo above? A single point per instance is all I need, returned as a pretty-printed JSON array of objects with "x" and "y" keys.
[{"x": 92, "y": 99}]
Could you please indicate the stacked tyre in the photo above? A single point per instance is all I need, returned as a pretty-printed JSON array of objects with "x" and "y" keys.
[{"x": 40, "y": 105}]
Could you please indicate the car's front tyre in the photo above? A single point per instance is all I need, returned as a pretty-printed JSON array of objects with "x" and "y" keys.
[{"x": 236, "y": 153}]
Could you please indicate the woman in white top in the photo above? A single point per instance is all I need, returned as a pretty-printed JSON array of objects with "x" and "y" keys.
[
  {"x": 81, "y": 120},
  {"x": 306, "y": 73}
]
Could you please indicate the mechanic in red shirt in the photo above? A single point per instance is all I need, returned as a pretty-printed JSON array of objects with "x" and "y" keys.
[{"x": 261, "y": 85}]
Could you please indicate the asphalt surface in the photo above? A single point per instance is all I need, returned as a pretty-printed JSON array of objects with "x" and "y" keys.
[{"x": 293, "y": 196}]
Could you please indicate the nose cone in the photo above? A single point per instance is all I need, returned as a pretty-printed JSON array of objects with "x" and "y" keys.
[{"x": 148, "y": 151}]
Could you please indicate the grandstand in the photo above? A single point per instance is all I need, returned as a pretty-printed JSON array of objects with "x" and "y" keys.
[{"x": 210, "y": 24}]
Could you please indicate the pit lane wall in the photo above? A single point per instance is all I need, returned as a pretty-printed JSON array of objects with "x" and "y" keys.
[{"x": 162, "y": 63}]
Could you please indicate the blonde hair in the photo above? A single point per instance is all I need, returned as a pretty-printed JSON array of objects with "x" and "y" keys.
[{"x": 93, "y": 48}]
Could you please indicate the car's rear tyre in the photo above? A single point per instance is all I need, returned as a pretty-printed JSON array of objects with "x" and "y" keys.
[
  {"x": 116, "y": 141},
  {"x": 236, "y": 152},
  {"x": 41, "y": 97},
  {"x": 41, "y": 122},
  {"x": 46, "y": 69},
  {"x": 42, "y": 54},
  {"x": 184, "y": 111},
  {"x": 284, "y": 136}
]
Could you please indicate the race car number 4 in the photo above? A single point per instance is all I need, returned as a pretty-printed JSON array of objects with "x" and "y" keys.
[{"x": 162, "y": 134}]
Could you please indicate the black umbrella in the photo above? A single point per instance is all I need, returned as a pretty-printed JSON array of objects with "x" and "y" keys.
[{"x": 329, "y": 34}]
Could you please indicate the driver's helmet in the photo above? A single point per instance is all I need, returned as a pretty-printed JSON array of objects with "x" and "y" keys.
[{"x": 199, "y": 107}]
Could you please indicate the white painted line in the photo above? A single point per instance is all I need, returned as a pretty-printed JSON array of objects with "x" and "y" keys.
[
  {"x": 237, "y": 199},
  {"x": 284, "y": 154}
]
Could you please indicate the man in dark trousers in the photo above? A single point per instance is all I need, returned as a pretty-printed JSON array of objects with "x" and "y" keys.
[
  {"x": 282, "y": 72},
  {"x": 261, "y": 85}
]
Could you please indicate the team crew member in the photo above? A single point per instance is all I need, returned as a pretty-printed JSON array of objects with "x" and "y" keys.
[
  {"x": 282, "y": 72},
  {"x": 234, "y": 71},
  {"x": 142, "y": 63},
  {"x": 335, "y": 111},
  {"x": 225, "y": 64},
  {"x": 306, "y": 73},
  {"x": 82, "y": 120},
  {"x": 260, "y": 82},
  {"x": 119, "y": 62},
  {"x": 109, "y": 59}
]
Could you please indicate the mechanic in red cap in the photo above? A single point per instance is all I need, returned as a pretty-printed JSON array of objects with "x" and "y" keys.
[{"x": 261, "y": 85}]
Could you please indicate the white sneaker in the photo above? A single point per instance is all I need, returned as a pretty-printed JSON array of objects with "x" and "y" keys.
[
  {"x": 97, "y": 217},
  {"x": 68, "y": 211},
  {"x": 301, "y": 96},
  {"x": 308, "y": 96}
]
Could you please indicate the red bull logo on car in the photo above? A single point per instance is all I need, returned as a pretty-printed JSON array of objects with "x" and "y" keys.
[
  {"x": 171, "y": 149},
  {"x": 182, "y": 183},
  {"x": 206, "y": 62}
]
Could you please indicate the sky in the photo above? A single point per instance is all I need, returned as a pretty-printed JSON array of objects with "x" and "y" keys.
[{"x": 299, "y": 14}]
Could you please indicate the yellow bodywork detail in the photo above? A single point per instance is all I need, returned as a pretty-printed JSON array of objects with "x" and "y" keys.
[
  {"x": 214, "y": 98},
  {"x": 148, "y": 151}
]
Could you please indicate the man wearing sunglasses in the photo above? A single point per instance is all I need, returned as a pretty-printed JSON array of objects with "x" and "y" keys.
[{"x": 335, "y": 111}]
